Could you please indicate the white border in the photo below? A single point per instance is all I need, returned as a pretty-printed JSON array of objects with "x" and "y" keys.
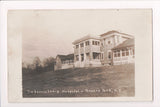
[{"x": 77, "y": 5}]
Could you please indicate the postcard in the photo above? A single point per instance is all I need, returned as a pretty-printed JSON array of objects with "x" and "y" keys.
[{"x": 79, "y": 55}]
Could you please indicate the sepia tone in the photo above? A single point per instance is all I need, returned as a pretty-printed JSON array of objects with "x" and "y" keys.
[
  {"x": 79, "y": 53},
  {"x": 99, "y": 67}
]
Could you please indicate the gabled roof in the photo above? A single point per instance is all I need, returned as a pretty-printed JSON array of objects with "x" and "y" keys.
[
  {"x": 66, "y": 57},
  {"x": 127, "y": 43},
  {"x": 109, "y": 32},
  {"x": 114, "y": 31},
  {"x": 85, "y": 38}
]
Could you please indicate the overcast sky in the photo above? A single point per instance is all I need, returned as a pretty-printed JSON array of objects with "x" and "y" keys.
[{"x": 50, "y": 32}]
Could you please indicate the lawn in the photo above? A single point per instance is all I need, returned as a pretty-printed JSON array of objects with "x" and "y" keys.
[{"x": 106, "y": 81}]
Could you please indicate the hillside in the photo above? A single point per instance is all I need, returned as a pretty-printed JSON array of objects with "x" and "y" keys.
[{"x": 81, "y": 82}]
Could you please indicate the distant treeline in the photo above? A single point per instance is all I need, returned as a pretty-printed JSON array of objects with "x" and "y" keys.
[{"x": 39, "y": 66}]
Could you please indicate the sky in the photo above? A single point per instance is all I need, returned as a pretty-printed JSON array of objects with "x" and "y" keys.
[{"x": 46, "y": 33}]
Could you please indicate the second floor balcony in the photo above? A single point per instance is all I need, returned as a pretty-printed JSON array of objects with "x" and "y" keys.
[{"x": 87, "y": 49}]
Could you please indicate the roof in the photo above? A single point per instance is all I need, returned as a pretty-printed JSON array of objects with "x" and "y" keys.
[
  {"x": 66, "y": 57},
  {"x": 85, "y": 38},
  {"x": 127, "y": 43},
  {"x": 114, "y": 31}
]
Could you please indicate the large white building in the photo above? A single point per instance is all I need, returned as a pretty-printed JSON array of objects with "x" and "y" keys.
[
  {"x": 110, "y": 48},
  {"x": 97, "y": 51}
]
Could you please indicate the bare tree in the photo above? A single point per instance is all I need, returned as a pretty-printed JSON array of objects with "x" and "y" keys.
[
  {"x": 37, "y": 64},
  {"x": 49, "y": 63}
]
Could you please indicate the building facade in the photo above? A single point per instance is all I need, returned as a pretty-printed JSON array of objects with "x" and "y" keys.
[
  {"x": 87, "y": 52},
  {"x": 111, "y": 48},
  {"x": 110, "y": 40},
  {"x": 98, "y": 51}
]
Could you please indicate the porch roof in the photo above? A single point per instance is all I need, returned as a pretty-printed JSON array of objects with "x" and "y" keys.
[
  {"x": 127, "y": 43},
  {"x": 66, "y": 57},
  {"x": 114, "y": 31},
  {"x": 85, "y": 38}
]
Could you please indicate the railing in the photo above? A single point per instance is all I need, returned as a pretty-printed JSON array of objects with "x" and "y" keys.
[
  {"x": 92, "y": 48},
  {"x": 123, "y": 58},
  {"x": 87, "y": 49},
  {"x": 82, "y": 50},
  {"x": 95, "y": 48},
  {"x": 76, "y": 51},
  {"x": 96, "y": 60}
]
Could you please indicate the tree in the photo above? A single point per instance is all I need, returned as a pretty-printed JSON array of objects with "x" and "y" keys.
[
  {"x": 49, "y": 63},
  {"x": 37, "y": 64}
]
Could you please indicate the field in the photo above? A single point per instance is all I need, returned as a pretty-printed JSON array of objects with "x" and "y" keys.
[{"x": 107, "y": 81}]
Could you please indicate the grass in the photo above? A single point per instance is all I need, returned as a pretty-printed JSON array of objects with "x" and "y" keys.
[{"x": 108, "y": 81}]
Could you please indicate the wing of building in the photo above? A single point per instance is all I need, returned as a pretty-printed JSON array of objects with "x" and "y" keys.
[
  {"x": 124, "y": 53},
  {"x": 64, "y": 61},
  {"x": 87, "y": 51}
]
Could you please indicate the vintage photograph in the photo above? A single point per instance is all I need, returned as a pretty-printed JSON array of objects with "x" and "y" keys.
[{"x": 78, "y": 52}]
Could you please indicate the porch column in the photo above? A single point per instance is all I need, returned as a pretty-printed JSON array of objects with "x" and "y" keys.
[
  {"x": 129, "y": 57},
  {"x": 90, "y": 51},
  {"x": 91, "y": 55},
  {"x": 84, "y": 51},
  {"x": 115, "y": 40},
  {"x": 74, "y": 53},
  {"x": 79, "y": 53},
  {"x": 129, "y": 51},
  {"x": 120, "y": 54},
  {"x": 112, "y": 63}
]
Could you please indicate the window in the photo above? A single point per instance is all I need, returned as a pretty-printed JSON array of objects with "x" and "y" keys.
[
  {"x": 87, "y": 43},
  {"x": 102, "y": 44},
  {"x": 77, "y": 58},
  {"x": 77, "y": 46},
  {"x": 117, "y": 53},
  {"x": 109, "y": 55},
  {"x": 96, "y": 55},
  {"x": 123, "y": 52},
  {"x": 82, "y": 57},
  {"x": 92, "y": 42},
  {"x": 101, "y": 55},
  {"x": 87, "y": 56},
  {"x": 133, "y": 51},
  {"x": 63, "y": 62},
  {"x": 70, "y": 61},
  {"x": 95, "y": 43},
  {"x": 82, "y": 45},
  {"x": 127, "y": 52}
]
